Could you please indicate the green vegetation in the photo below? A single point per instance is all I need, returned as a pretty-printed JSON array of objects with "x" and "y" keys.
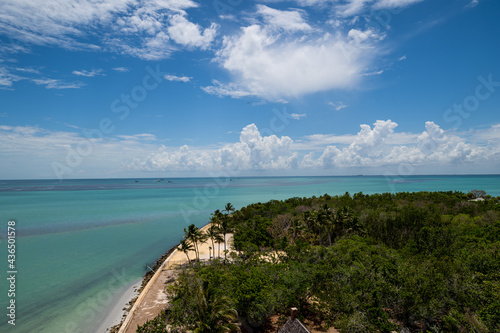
[{"x": 426, "y": 262}]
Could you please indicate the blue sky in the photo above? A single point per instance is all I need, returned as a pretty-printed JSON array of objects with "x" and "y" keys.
[{"x": 173, "y": 88}]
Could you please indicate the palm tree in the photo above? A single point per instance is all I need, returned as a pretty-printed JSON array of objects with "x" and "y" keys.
[
  {"x": 224, "y": 228},
  {"x": 194, "y": 235},
  {"x": 296, "y": 229},
  {"x": 229, "y": 208},
  {"x": 212, "y": 233},
  {"x": 217, "y": 217},
  {"x": 214, "y": 313},
  {"x": 224, "y": 224},
  {"x": 201, "y": 238},
  {"x": 218, "y": 239},
  {"x": 185, "y": 247},
  {"x": 328, "y": 221},
  {"x": 221, "y": 220}
]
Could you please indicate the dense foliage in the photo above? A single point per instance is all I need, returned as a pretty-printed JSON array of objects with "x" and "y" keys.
[{"x": 423, "y": 262}]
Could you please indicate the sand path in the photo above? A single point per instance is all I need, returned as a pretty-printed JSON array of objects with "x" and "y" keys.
[{"x": 152, "y": 299}]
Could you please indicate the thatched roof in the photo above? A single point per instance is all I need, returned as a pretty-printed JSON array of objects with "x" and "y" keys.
[{"x": 293, "y": 325}]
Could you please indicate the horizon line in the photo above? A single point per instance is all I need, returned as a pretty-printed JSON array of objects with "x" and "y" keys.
[{"x": 237, "y": 177}]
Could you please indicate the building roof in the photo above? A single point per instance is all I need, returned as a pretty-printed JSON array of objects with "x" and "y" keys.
[{"x": 293, "y": 325}]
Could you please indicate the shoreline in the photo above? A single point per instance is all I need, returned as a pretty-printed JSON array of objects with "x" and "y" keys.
[
  {"x": 116, "y": 319},
  {"x": 121, "y": 305}
]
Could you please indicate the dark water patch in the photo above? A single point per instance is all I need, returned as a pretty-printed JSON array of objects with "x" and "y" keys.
[
  {"x": 73, "y": 227},
  {"x": 120, "y": 184}
]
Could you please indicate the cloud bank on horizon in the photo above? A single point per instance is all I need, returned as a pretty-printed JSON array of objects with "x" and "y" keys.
[
  {"x": 337, "y": 64},
  {"x": 377, "y": 149}
]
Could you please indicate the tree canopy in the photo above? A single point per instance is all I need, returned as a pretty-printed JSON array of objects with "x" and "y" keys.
[{"x": 423, "y": 262}]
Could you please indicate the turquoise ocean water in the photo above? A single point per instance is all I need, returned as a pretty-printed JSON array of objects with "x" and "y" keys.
[{"x": 81, "y": 243}]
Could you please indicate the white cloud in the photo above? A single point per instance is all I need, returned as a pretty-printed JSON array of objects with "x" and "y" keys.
[
  {"x": 12, "y": 48},
  {"x": 120, "y": 69},
  {"x": 337, "y": 105},
  {"x": 487, "y": 134},
  {"x": 137, "y": 28},
  {"x": 155, "y": 47},
  {"x": 349, "y": 8},
  {"x": 280, "y": 19},
  {"x": 322, "y": 140},
  {"x": 473, "y": 3},
  {"x": 175, "y": 5},
  {"x": 382, "y": 4},
  {"x": 377, "y": 148},
  {"x": 30, "y": 70},
  {"x": 138, "y": 137},
  {"x": 230, "y": 89},
  {"x": 402, "y": 58},
  {"x": 361, "y": 37},
  {"x": 228, "y": 17},
  {"x": 56, "y": 21},
  {"x": 170, "y": 77},
  {"x": 58, "y": 84},
  {"x": 298, "y": 116},
  {"x": 7, "y": 78},
  {"x": 189, "y": 34},
  {"x": 86, "y": 73},
  {"x": 30, "y": 152},
  {"x": 252, "y": 152},
  {"x": 352, "y": 7},
  {"x": 272, "y": 67},
  {"x": 373, "y": 73}
]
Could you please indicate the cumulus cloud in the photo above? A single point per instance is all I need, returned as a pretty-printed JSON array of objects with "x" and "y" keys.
[
  {"x": 280, "y": 56},
  {"x": 189, "y": 34},
  {"x": 368, "y": 147},
  {"x": 373, "y": 147},
  {"x": 377, "y": 148},
  {"x": 252, "y": 152},
  {"x": 267, "y": 65}
]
